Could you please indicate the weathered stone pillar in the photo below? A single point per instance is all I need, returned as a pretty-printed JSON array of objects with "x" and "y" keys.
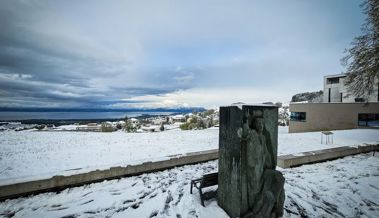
[{"x": 249, "y": 185}]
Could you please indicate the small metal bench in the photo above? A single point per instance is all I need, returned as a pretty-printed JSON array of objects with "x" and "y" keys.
[{"x": 206, "y": 181}]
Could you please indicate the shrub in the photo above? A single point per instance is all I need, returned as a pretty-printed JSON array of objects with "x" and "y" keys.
[
  {"x": 184, "y": 126},
  {"x": 106, "y": 127},
  {"x": 201, "y": 124},
  {"x": 192, "y": 126},
  {"x": 162, "y": 127},
  {"x": 129, "y": 127},
  {"x": 193, "y": 120},
  {"x": 40, "y": 127},
  {"x": 207, "y": 113},
  {"x": 210, "y": 123}
]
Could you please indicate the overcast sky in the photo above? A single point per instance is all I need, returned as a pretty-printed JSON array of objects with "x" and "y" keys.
[{"x": 121, "y": 54}]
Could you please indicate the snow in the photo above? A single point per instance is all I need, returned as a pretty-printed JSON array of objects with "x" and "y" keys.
[
  {"x": 4, "y": 126},
  {"x": 70, "y": 127},
  {"x": 347, "y": 187},
  {"x": 42, "y": 153},
  {"x": 289, "y": 143},
  {"x": 179, "y": 116},
  {"x": 29, "y": 155},
  {"x": 241, "y": 104},
  {"x": 341, "y": 188}
]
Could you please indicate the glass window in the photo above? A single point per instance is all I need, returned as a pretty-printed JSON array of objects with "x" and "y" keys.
[
  {"x": 334, "y": 80},
  {"x": 359, "y": 100},
  {"x": 368, "y": 120},
  {"x": 298, "y": 116}
]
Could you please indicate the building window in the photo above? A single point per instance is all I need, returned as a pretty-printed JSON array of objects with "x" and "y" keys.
[
  {"x": 329, "y": 93},
  {"x": 298, "y": 116},
  {"x": 359, "y": 100},
  {"x": 368, "y": 120},
  {"x": 334, "y": 80}
]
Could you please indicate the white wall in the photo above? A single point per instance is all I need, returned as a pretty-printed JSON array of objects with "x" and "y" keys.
[{"x": 338, "y": 88}]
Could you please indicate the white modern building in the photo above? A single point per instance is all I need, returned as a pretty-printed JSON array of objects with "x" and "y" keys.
[
  {"x": 335, "y": 91},
  {"x": 339, "y": 109}
]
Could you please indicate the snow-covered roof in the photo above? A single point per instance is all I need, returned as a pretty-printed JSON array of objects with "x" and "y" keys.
[
  {"x": 179, "y": 116},
  {"x": 150, "y": 127},
  {"x": 239, "y": 105},
  {"x": 335, "y": 75}
]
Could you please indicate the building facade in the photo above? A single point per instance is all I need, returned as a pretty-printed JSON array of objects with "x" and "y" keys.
[
  {"x": 335, "y": 91},
  {"x": 306, "y": 117},
  {"x": 339, "y": 110}
]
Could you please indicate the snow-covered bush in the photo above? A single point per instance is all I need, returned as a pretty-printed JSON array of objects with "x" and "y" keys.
[{"x": 107, "y": 127}]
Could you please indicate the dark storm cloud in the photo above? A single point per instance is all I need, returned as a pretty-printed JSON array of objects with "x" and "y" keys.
[
  {"x": 57, "y": 68},
  {"x": 110, "y": 53},
  {"x": 81, "y": 97}
]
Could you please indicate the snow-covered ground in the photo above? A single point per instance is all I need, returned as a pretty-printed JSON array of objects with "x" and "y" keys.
[
  {"x": 289, "y": 143},
  {"x": 4, "y": 126},
  {"x": 28, "y": 154},
  {"x": 41, "y": 153},
  {"x": 346, "y": 187}
]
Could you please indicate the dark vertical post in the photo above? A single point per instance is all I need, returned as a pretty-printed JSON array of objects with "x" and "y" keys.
[{"x": 329, "y": 95}]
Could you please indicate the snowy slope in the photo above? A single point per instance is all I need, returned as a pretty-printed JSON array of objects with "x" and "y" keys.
[
  {"x": 346, "y": 187},
  {"x": 24, "y": 154},
  {"x": 31, "y": 154}
]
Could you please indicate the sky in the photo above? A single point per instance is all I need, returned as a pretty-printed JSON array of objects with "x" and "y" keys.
[{"x": 149, "y": 54}]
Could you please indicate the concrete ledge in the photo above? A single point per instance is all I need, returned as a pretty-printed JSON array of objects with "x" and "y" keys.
[
  {"x": 292, "y": 160},
  {"x": 57, "y": 183}
]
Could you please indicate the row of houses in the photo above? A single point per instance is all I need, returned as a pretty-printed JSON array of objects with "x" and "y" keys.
[
  {"x": 151, "y": 124},
  {"x": 179, "y": 118},
  {"x": 170, "y": 122}
]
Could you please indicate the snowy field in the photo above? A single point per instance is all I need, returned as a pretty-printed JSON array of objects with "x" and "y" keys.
[
  {"x": 28, "y": 155},
  {"x": 347, "y": 187}
]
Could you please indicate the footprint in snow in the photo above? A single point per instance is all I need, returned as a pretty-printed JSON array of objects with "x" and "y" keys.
[
  {"x": 154, "y": 214},
  {"x": 116, "y": 193},
  {"x": 128, "y": 201},
  {"x": 87, "y": 202}
]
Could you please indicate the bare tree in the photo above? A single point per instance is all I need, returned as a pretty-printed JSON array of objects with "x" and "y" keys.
[{"x": 362, "y": 59}]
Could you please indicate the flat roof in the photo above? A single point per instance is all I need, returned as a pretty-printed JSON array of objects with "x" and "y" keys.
[
  {"x": 335, "y": 75},
  {"x": 240, "y": 105},
  {"x": 370, "y": 102}
]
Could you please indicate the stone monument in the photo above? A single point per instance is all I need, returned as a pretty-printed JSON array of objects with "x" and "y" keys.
[{"x": 249, "y": 185}]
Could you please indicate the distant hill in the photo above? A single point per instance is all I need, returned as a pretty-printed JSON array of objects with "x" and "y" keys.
[
  {"x": 172, "y": 110},
  {"x": 314, "y": 97}
]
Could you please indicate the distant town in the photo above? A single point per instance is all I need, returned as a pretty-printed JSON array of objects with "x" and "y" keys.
[{"x": 144, "y": 123}]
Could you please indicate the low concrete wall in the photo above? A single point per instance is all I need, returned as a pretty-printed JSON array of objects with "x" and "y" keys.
[
  {"x": 57, "y": 183},
  {"x": 291, "y": 160},
  {"x": 61, "y": 182}
]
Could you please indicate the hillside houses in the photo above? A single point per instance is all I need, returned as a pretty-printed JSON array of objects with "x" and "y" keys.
[
  {"x": 178, "y": 118},
  {"x": 201, "y": 120},
  {"x": 150, "y": 128},
  {"x": 189, "y": 121}
]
